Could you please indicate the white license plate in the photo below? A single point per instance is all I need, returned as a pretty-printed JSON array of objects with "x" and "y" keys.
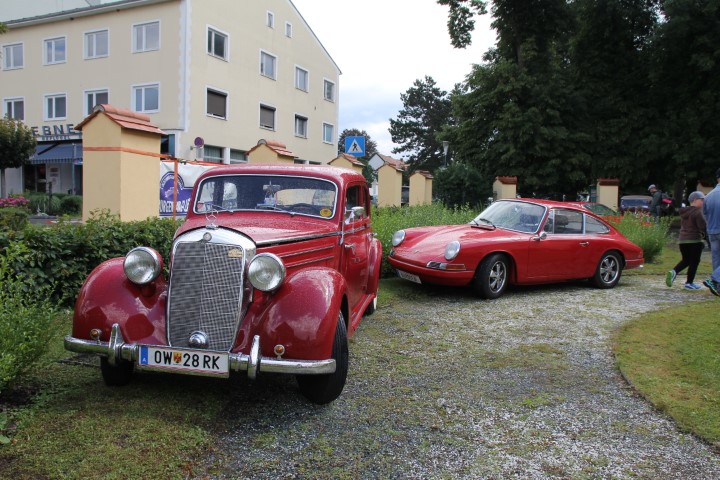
[
  {"x": 183, "y": 360},
  {"x": 408, "y": 276}
]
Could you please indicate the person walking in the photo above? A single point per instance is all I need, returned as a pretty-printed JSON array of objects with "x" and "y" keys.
[
  {"x": 711, "y": 210},
  {"x": 690, "y": 241},
  {"x": 656, "y": 202},
  {"x": 713, "y": 283}
]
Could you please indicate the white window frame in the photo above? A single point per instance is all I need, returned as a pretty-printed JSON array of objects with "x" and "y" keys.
[
  {"x": 54, "y": 97},
  {"x": 327, "y": 82},
  {"x": 144, "y": 47},
  {"x": 216, "y": 32},
  {"x": 217, "y": 91},
  {"x": 298, "y": 85},
  {"x": 269, "y": 107},
  {"x": 9, "y": 56},
  {"x": 51, "y": 55},
  {"x": 90, "y": 41},
  {"x": 9, "y": 107},
  {"x": 263, "y": 68},
  {"x": 218, "y": 160},
  {"x": 325, "y": 138},
  {"x": 288, "y": 29},
  {"x": 270, "y": 19},
  {"x": 234, "y": 152},
  {"x": 144, "y": 87},
  {"x": 301, "y": 120},
  {"x": 87, "y": 108}
]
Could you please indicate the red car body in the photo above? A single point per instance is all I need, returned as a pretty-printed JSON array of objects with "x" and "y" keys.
[
  {"x": 522, "y": 242},
  {"x": 272, "y": 270}
]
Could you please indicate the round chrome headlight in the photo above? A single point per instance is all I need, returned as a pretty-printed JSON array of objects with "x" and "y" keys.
[
  {"x": 142, "y": 265},
  {"x": 452, "y": 249},
  {"x": 398, "y": 238},
  {"x": 266, "y": 272}
]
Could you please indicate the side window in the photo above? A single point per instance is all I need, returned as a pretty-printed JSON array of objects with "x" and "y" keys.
[
  {"x": 354, "y": 197},
  {"x": 593, "y": 225},
  {"x": 564, "y": 222}
]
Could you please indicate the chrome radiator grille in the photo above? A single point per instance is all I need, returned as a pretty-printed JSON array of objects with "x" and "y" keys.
[{"x": 206, "y": 287}]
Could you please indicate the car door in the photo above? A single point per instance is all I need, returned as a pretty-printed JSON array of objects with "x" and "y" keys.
[
  {"x": 356, "y": 243},
  {"x": 555, "y": 256}
]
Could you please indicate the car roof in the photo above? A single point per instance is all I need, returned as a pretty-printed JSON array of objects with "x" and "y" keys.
[{"x": 340, "y": 175}]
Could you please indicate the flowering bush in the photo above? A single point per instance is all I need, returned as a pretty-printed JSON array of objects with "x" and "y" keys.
[{"x": 19, "y": 202}]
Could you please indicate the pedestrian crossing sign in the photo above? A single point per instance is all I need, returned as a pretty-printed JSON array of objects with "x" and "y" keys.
[{"x": 355, "y": 146}]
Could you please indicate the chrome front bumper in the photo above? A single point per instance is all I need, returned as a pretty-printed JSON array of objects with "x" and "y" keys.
[{"x": 117, "y": 349}]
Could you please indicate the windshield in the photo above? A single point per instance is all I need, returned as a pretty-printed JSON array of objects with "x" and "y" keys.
[
  {"x": 289, "y": 194},
  {"x": 520, "y": 216}
]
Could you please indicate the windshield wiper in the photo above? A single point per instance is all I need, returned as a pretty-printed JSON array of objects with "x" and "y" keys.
[
  {"x": 267, "y": 206},
  {"x": 488, "y": 223},
  {"x": 215, "y": 208}
]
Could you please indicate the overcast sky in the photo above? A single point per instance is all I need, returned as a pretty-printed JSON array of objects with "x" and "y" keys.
[{"x": 382, "y": 47}]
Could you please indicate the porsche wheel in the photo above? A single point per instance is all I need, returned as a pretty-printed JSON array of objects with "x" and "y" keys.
[
  {"x": 322, "y": 389},
  {"x": 491, "y": 277},
  {"x": 116, "y": 375},
  {"x": 608, "y": 271}
]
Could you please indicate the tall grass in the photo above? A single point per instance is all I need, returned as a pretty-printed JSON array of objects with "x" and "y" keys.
[{"x": 649, "y": 236}]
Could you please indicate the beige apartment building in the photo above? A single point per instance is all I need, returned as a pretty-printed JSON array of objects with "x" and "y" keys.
[{"x": 216, "y": 76}]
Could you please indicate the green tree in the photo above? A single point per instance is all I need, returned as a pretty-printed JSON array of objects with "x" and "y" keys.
[
  {"x": 610, "y": 71},
  {"x": 460, "y": 19},
  {"x": 17, "y": 144},
  {"x": 682, "y": 142},
  {"x": 427, "y": 111},
  {"x": 460, "y": 184},
  {"x": 370, "y": 149}
]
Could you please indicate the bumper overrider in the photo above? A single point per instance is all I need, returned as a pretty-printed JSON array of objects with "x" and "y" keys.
[{"x": 117, "y": 350}]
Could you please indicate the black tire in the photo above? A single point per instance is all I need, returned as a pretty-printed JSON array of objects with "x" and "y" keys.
[
  {"x": 118, "y": 375},
  {"x": 371, "y": 308},
  {"x": 322, "y": 389},
  {"x": 492, "y": 276},
  {"x": 608, "y": 271}
]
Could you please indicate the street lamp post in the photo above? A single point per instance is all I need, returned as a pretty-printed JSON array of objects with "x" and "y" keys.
[{"x": 445, "y": 145}]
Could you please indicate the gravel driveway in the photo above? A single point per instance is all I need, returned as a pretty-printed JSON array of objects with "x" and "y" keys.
[{"x": 448, "y": 386}]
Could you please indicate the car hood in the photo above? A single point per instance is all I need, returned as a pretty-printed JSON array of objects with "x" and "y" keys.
[
  {"x": 267, "y": 228},
  {"x": 432, "y": 240}
]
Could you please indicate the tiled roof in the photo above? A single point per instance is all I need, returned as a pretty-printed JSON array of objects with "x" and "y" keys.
[
  {"x": 396, "y": 164},
  {"x": 424, "y": 173},
  {"x": 350, "y": 158},
  {"x": 123, "y": 117},
  {"x": 278, "y": 147}
]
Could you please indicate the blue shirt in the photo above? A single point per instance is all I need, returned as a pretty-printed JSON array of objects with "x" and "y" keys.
[{"x": 711, "y": 210}]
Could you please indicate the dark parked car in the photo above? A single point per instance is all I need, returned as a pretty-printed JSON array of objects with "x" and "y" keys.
[
  {"x": 635, "y": 204},
  {"x": 271, "y": 271}
]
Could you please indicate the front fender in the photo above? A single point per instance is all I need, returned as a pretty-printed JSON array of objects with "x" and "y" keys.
[
  {"x": 302, "y": 314},
  {"x": 108, "y": 297},
  {"x": 375, "y": 266}
]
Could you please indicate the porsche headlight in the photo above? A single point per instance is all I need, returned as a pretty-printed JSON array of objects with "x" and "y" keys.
[
  {"x": 398, "y": 238},
  {"x": 142, "y": 265},
  {"x": 266, "y": 272},
  {"x": 452, "y": 249}
]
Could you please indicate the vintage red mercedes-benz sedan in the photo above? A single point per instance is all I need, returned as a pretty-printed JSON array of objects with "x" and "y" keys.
[
  {"x": 272, "y": 271},
  {"x": 523, "y": 242}
]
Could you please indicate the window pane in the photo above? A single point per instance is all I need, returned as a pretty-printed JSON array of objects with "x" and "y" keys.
[
  {"x": 138, "y": 99},
  {"x": 60, "y": 108},
  {"x": 216, "y": 104},
  {"x": 267, "y": 117},
  {"x": 101, "y": 44},
  {"x": 152, "y": 36},
  {"x": 152, "y": 100}
]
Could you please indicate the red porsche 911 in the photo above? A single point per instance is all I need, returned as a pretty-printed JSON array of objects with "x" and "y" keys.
[{"x": 519, "y": 242}]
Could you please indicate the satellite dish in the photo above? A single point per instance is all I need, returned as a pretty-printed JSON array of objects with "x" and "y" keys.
[{"x": 199, "y": 142}]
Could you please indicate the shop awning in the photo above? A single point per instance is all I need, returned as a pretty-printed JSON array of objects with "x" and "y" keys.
[{"x": 57, "y": 153}]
